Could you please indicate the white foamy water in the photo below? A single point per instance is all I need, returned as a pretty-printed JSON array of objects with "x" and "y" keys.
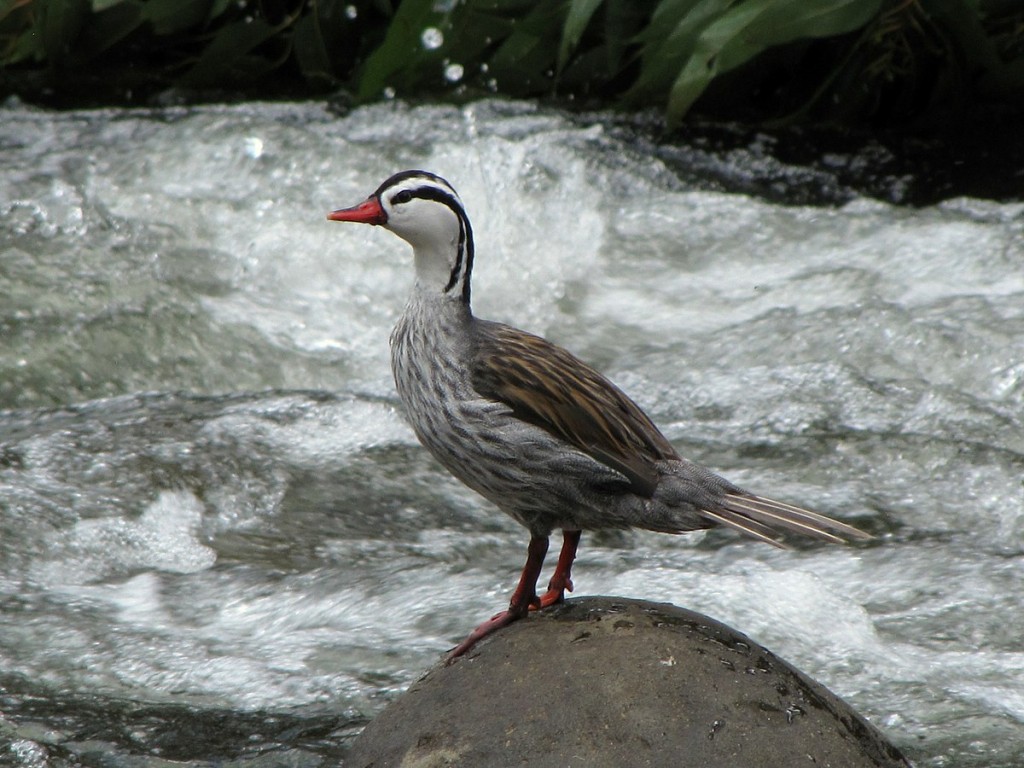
[{"x": 212, "y": 511}]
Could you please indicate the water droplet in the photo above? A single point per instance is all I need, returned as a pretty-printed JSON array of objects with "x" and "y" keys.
[
  {"x": 432, "y": 38},
  {"x": 453, "y": 73},
  {"x": 253, "y": 147},
  {"x": 389, "y": 92},
  {"x": 351, "y": 11},
  {"x": 444, "y": 6},
  {"x": 492, "y": 85},
  {"x": 484, "y": 68}
]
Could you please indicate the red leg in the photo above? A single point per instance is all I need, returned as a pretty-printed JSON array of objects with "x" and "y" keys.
[
  {"x": 560, "y": 580},
  {"x": 523, "y": 599}
]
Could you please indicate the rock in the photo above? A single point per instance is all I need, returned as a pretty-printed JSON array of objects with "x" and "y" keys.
[{"x": 615, "y": 682}]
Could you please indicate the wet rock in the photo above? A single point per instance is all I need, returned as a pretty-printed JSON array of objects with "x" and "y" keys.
[{"x": 614, "y": 682}]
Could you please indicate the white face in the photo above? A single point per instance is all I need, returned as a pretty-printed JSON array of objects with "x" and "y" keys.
[
  {"x": 422, "y": 211},
  {"x": 423, "y": 223}
]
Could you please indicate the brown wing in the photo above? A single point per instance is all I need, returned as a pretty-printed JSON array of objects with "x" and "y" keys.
[{"x": 547, "y": 386}]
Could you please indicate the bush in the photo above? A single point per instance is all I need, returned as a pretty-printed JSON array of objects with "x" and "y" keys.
[{"x": 845, "y": 60}]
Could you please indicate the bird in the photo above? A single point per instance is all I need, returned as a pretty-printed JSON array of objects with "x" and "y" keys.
[{"x": 529, "y": 426}]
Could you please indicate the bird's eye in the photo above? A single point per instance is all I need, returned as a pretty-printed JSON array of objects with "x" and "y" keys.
[{"x": 402, "y": 197}]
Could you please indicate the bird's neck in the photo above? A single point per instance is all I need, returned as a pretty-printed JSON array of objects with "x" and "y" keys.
[
  {"x": 429, "y": 304},
  {"x": 435, "y": 326},
  {"x": 438, "y": 273},
  {"x": 440, "y": 292},
  {"x": 444, "y": 267}
]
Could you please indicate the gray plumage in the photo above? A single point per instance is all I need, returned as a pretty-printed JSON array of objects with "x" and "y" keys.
[
  {"x": 539, "y": 433},
  {"x": 438, "y": 349}
]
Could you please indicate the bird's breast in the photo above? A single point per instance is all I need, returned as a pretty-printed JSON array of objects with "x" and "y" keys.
[
  {"x": 523, "y": 469},
  {"x": 432, "y": 379}
]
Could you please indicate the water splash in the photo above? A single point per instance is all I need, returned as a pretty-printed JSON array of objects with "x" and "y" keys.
[
  {"x": 432, "y": 38},
  {"x": 453, "y": 72},
  {"x": 239, "y": 551}
]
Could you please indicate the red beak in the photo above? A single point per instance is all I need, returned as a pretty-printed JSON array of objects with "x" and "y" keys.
[{"x": 369, "y": 212}]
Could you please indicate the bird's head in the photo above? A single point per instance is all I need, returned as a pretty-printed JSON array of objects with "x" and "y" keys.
[{"x": 424, "y": 210}]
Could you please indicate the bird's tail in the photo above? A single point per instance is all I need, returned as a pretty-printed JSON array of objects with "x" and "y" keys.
[{"x": 765, "y": 519}]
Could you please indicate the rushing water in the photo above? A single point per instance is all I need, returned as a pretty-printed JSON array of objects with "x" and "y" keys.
[{"x": 220, "y": 541}]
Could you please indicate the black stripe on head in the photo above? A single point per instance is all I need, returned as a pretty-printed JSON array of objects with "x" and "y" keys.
[
  {"x": 464, "y": 257},
  {"x": 398, "y": 178}
]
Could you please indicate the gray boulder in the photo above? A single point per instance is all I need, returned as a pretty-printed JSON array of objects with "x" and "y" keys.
[{"x": 613, "y": 682}]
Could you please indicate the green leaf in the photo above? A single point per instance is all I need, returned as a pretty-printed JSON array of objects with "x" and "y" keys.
[
  {"x": 402, "y": 50},
  {"x": 20, "y": 38},
  {"x": 218, "y": 7},
  {"x": 749, "y": 28},
  {"x": 109, "y": 27},
  {"x": 170, "y": 16},
  {"x": 226, "y": 59},
  {"x": 99, "y": 6},
  {"x": 517, "y": 8},
  {"x": 783, "y": 22},
  {"x": 669, "y": 45},
  {"x": 580, "y": 13},
  {"x": 310, "y": 49},
  {"x": 622, "y": 20},
  {"x": 62, "y": 21},
  {"x": 525, "y": 62},
  {"x": 669, "y": 13}
]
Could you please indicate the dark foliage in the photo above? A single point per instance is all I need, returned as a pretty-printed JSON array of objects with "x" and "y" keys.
[{"x": 845, "y": 61}]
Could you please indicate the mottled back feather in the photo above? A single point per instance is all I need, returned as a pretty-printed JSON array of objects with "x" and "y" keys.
[{"x": 549, "y": 387}]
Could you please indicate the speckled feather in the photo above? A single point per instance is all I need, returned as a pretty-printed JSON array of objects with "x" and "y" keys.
[
  {"x": 547, "y": 438},
  {"x": 547, "y": 386}
]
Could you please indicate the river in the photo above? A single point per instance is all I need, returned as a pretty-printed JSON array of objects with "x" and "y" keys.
[{"x": 220, "y": 542}]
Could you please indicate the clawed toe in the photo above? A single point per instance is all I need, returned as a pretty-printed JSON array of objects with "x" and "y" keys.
[{"x": 525, "y": 599}]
